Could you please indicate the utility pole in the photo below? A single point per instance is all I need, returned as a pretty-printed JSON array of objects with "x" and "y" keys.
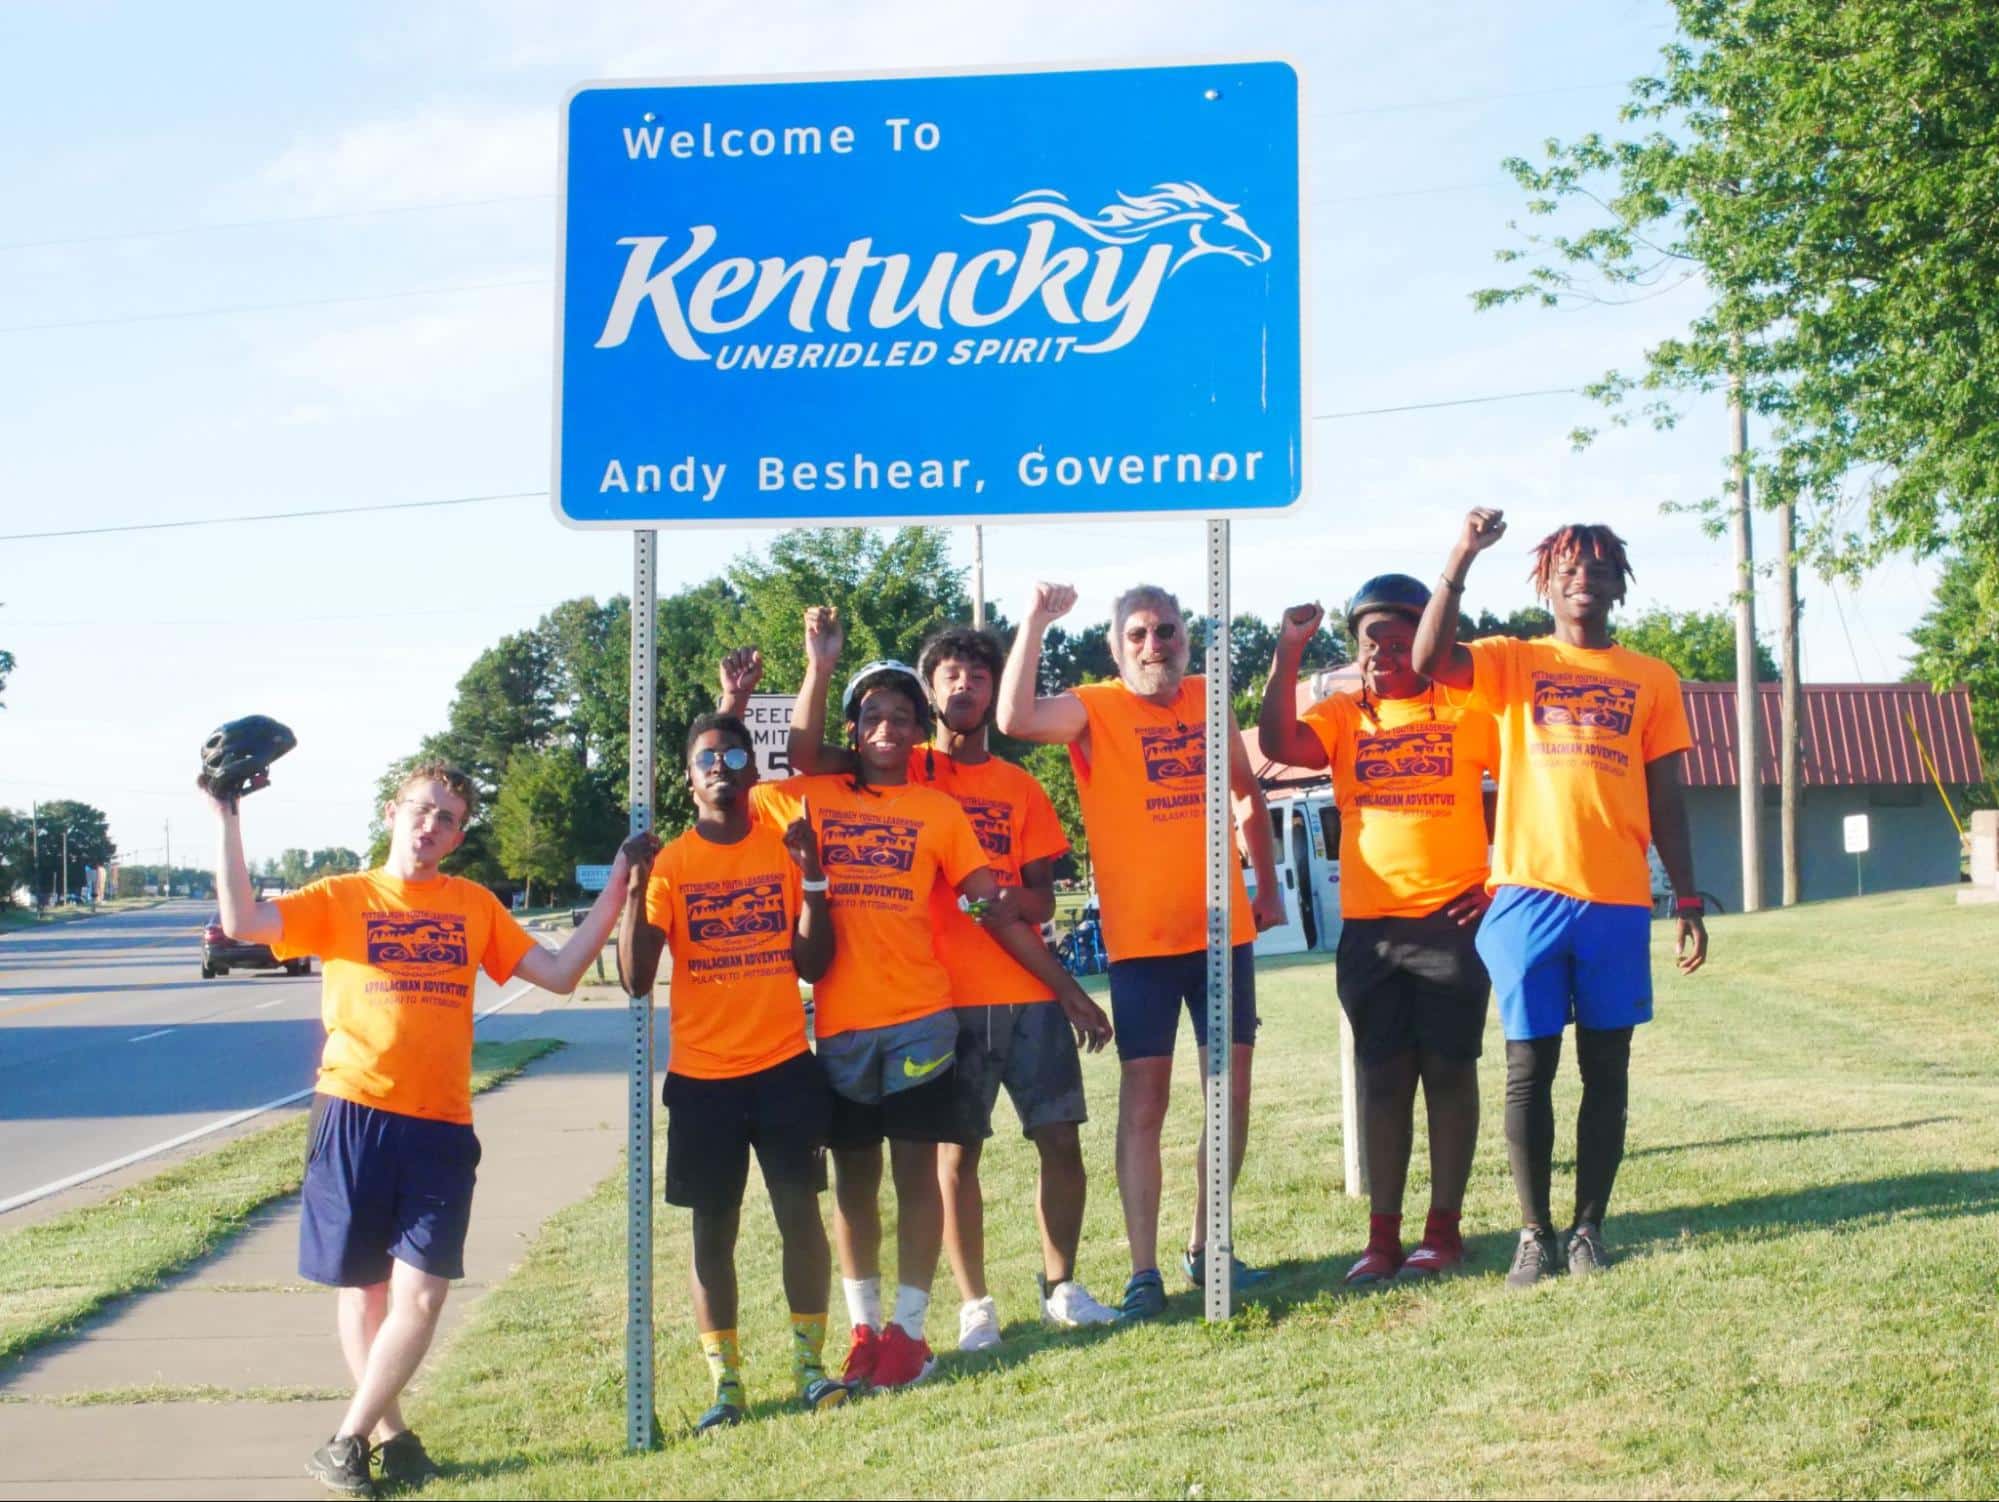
[
  {"x": 65, "y": 862},
  {"x": 1790, "y": 695},
  {"x": 1748, "y": 712},
  {"x": 35, "y": 839},
  {"x": 978, "y": 578},
  {"x": 167, "y": 886}
]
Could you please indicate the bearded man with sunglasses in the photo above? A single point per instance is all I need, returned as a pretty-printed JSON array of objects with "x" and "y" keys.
[{"x": 1139, "y": 747}]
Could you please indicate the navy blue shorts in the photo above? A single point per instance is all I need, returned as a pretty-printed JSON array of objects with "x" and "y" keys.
[
  {"x": 383, "y": 1187},
  {"x": 1147, "y": 996},
  {"x": 1556, "y": 960}
]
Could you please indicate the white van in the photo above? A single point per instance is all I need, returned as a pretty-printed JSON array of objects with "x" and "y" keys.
[{"x": 1305, "y": 835}]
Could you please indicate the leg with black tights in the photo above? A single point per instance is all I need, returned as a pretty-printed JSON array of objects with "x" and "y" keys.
[
  {"x": 1450, "y": 1099},
  {"x": 1605, "y": 1057},
  {"x": 1530, "y": 1123}
]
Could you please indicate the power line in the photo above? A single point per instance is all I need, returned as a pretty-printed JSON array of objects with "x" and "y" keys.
[
  {"x": 276, "y": 219},
  {"x": 275, "y": 516},
  {"x": 268, "y": 307},
  {"x": 529, "y": 495}
]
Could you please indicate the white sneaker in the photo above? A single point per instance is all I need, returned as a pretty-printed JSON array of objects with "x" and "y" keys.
[
  {"x": 978, "y": 1325},
  {"x": 1070, "y": 1304}
]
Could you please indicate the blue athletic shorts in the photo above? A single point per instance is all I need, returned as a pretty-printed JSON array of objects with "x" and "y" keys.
[
  {"x": 1147, "y": 996},
  {"x": 382, "y": 1187},
  {"x": 1556, "y": 960}
]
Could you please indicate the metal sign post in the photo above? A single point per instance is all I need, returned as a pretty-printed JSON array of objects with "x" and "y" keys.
[
  {"x": 640, "y": 1431},
  {"x": 1221, "y": 873}
]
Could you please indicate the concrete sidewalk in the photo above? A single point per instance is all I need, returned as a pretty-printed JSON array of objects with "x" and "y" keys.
[{"x": 242, "y": 1322}]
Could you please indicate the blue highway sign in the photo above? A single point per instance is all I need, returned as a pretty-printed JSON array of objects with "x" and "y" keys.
[{"x": 968, "y": 297}]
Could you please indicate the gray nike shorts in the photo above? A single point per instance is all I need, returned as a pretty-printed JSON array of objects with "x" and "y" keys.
[
  {"x": 1029, "y": 1048},
  {"x": 868, "y": 1064}
]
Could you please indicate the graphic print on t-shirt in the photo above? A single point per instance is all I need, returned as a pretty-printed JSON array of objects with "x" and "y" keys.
[
  {"x": 1584, "y": 706},
  {"x": 992, "y": 822},
  {"x": 1173, "y": 753},
  {"x": 415, "y": 944},
  {"x": 854, "y": 842},
  {"x": 734, "y": 914},
  {"x": 1410, "y": 757}
]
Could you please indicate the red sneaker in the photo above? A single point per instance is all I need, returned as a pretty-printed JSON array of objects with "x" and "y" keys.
[
  {"x": 863, "y": 1356},
  {"x": 899, "y": 1360},
  {"x": 1434, "y": 1257},
  {"x": 1377, "y": 1264}
]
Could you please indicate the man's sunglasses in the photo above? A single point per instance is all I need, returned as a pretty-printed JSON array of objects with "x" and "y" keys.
[{"x": 735, "y": 758}]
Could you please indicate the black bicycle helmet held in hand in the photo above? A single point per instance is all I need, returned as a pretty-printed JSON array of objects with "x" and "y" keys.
[{"x": 236, "y": 758}]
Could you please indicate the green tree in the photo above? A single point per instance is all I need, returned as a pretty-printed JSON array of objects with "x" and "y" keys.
[
  {"x": 1952, "y": 649},
  {"x": 1051, "y": 768},
  {"x": 552, "y": 814},
  {"x": 1072, "y": 658},
  {"x": 6, "y": 667},
  {"x": 17, "y": 868},
  {"x": 1824, "y": 169},
  {"x": 505, "y": 701},
  {"x": 90, "y": 842},
  {"x": 1523, "y": 624},
  {"x": 331, "y": 862},
  {"x": 1699, "y": 644}
]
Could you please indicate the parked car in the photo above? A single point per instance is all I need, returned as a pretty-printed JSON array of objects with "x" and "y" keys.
[{"x": 220, "y": 954}]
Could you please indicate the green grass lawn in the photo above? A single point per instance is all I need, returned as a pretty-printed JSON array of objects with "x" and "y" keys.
[
  {"x": 12, "y": 918},
  {"x": 1803, "y": 1303},
  {"x": 57, "y": 1273}
]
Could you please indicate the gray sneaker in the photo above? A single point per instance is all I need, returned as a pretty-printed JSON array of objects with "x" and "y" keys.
[
  {"x": 1586, "y": 1254},
  {"x": 341, "y": 1466},
  {"x": 1536, "y": 1257}
]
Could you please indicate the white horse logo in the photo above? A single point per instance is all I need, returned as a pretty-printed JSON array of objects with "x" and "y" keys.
[{"x": 1213, "y": 228}]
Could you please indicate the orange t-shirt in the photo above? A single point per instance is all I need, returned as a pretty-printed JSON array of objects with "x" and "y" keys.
[
  {"x": 1576, "y": 728},
  {"x": 728, "y": 912},
  {"x": 1015, "y": 823},
  {"x": 883, "y": 849},
  {"x": 401, "y": 959},
  {"x": 1408, "y": 775},
  {"x": 1142, "y": 787}
]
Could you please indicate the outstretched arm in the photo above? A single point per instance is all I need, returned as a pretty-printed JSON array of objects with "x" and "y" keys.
[
  {"x": 741, "y": 670},
  {"x": 1023, "y": 941},
  {"x": 243, "y": 916},
  {"x": 807, "y": 748},
  {"x": 1022, "y": 713},
  {"x": 1437, "y": 654},
  {"x": 557, "y": 971},
  {"x": 1676, "y": 854},
  {"x": 1279, "y": 736}
]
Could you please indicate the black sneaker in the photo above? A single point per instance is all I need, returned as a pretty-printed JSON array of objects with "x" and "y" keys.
[
  {"x": 723, "y": 1415},
  {"x": 1586, "y": 1254},
  {"x": 403, "y": 1461},
  {"x": 1536, "y": 1257},
  {"x": 341, "y": 1465}
]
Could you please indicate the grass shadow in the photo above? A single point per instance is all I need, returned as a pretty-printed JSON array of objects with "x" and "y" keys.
[{"x": 1803, "y": 1134}]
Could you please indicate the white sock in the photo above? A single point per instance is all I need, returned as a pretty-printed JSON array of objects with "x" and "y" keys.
[
  {"x": 864, "y": 1301},
  {"x": 912, "y": 1307}
]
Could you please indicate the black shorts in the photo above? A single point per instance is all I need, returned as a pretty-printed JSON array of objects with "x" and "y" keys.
[
  {"x": 711, "y": 1125},
  {"x": 1409, "y": 983},
  {"x": 923, "y": 1113}
]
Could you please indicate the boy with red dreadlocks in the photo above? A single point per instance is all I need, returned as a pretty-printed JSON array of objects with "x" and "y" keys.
[{"x": 1589, "y": 741}]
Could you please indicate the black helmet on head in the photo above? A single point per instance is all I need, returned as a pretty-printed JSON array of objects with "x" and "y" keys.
[
  {"x": 886, "y": 670},
  {"x": 1396, "y": 593},
  {"x": 236, "y": 758}
]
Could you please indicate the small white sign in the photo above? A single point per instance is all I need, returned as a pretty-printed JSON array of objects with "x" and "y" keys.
[
  {"x": 1856, "y": 834},
  {"x": 769, "y": 719},
  {"x": 593, "y": 878}
]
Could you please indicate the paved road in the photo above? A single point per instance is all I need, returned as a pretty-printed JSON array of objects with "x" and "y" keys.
[{"x": 110, "y": 1040}]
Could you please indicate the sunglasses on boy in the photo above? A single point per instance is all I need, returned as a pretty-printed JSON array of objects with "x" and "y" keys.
[{"x": 735, "y": 758}]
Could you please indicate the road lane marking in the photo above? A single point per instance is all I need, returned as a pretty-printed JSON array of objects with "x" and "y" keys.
[
  {"x": 156, "y": 1033},
  {"x": 265, "y": 1006},
  {"x": 235, "y": 1118}
]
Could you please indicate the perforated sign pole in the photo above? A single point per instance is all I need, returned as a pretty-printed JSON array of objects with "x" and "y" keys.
[
  {"x": 638, "y": 1152},
  {"x": 1221, "y": 856}
]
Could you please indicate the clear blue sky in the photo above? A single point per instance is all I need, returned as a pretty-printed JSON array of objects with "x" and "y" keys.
[{"x": 387, "y": 172}]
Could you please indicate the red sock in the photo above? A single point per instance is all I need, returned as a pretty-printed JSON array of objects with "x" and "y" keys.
[
  {"x": 1385, "y": 1231},
  {"x": 1441, "y": 1228}
]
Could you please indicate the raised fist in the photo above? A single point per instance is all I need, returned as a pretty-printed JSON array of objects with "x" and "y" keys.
[
  {"x": 824, "y": 635},
  {"x": 1052, "y": 602},
  {"x": 742, "y": 670},
  {"x": 1301, "y": 623},
  {"x": 1483, "y": 527}
]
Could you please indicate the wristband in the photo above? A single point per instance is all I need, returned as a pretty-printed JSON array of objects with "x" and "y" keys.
[
  {"x": 807, "y": 885},
  {"x": 1455, "y": 586},
  {"x": 1694, "y": 905}
]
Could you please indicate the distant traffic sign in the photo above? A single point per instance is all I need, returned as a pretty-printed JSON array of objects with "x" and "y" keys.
[
  {"x": 593, "y": 878},
  {"x": 962, "y": 296}
]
